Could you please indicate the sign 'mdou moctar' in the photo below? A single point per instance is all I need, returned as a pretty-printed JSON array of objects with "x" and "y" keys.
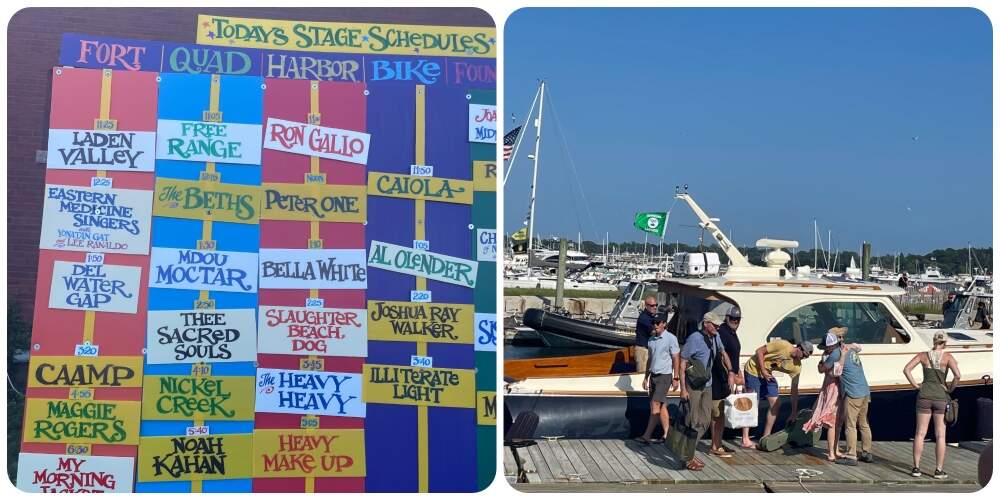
[{"x": 347, "y": 37}]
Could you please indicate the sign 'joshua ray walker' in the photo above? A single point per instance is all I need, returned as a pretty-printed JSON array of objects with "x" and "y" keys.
[
  {"x": 314, "y": 140},
  {"x": 185, "y": 458},
  {"x": 201, "y": 336},
  {"x": 216, "y": 201},
  {"x": 81, "y": 286},
  {"x": 309, "y": 393},
  {"x": 208, "y": 142},
  {"x": 81, "y": 421},
  {"x": 316, "y": 36},
  {"x": 435, "y": 266},
  {"x": 86, "y": 219},
  {"x": 420, "y": 322},
  {"x": 189, "y": 269},
  {"x": 312, "y": 453},
  {"x": 111, "y": 150},
  {"x": 50, "y": 473},
  {"x": 285, "y": 268},
  {"x": 79, "y": 371},
  {"x": 191, "y": 397},
  {"x": 313, "y": 331}
]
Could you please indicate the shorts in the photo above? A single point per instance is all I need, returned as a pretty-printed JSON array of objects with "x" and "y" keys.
[
  {"x": 718, "y": 408},
  {"x": 641, "y": 358},
  {"x": 659, "y": 385},
  {"x": 763, "y": 387},
  {"x": 934, "y": 406}
]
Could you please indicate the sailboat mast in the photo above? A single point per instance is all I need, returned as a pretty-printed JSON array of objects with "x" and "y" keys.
[
  {"x": 815, "y": 246},
  {"x": 534, "y": 173}
]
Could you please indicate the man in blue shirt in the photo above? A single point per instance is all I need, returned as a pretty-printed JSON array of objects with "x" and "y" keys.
[
  {"x": 643, "y": 329},
  {"x": 702, "y": 346},
  {"x": 854, "y": 388},
  {"x": 664, "y": 355}
]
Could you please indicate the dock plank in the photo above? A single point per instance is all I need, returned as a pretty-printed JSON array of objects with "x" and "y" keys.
[{"x": 609, "y": 472}]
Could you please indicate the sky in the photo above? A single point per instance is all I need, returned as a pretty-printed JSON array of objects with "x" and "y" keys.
[{"x": 877, "y": 123}]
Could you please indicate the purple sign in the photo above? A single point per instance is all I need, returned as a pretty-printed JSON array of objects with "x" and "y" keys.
[{"x": 85, "y": 51}]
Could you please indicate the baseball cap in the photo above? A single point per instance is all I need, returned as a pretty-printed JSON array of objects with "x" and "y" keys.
[
  {"x": 807, "y": 347},
  {"x": 659, "y": 318},
  {"x": 831, "y": 339},
  {"x": 712, "y": 317},
  {"x": 734, "y": 312}
]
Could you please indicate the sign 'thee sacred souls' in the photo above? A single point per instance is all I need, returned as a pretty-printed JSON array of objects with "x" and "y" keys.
[
  {"x": 85, "y": 219},
  {"x": 200, "y": 336}
]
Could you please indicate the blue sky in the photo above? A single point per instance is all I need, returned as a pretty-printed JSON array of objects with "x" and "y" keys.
[{"x": 875, "y": 122}]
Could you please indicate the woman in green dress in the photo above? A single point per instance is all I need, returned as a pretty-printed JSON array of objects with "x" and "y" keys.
[{"x": 933, "y": 399}]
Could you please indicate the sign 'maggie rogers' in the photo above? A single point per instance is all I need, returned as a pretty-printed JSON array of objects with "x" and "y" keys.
[{"x": 430, "y": 265}]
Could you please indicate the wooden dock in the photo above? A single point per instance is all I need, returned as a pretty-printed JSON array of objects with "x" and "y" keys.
[{"x": 612, "y": 465}]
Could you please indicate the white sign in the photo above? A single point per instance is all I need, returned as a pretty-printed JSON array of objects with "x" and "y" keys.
[
  {"x": 314, "y": 140},
  {"x": 51, "y": 473},
  {"x": 87, "y": 350},
  {"x": 312, "y": 331},
  {"x": 325, "y": 269},
  {"x": 486, "y": 245},
  {"x": 485, "y": 334},
  {"x": 189, "y": 269},
  {"x": 482, "y": 123},
  {"x": 435, "y": 266},
  {"x": 420, "y": 296},
  {"x": 111, "y": 150},
  {"x": 94, "y": 287},
  {"x": 422, "y": 361},
  {"x": 201, "y": 336},
  {"x": 309, "y": 393},
  {"x": 207, "y": 141},
  {"x": 84, "y": 219}
]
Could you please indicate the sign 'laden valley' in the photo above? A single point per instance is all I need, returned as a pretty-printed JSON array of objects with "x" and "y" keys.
[
  {"x": 110, "y": 150},
  {"x": 96, "y": 220},
  {"x": 435, "y": 266},
  {"x": 408, "y": 385},
  {"x": 186, "y": 458},
  {"x": 309, "y": 453},
  {"x": 420, "y": 322}
]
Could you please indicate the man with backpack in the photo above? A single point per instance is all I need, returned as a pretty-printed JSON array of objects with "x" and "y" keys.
[{"x": 697, "y": 359}]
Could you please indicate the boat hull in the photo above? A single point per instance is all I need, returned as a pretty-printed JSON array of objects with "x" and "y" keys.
[
  {"x": 891, "y": 414},
  {"x": 560, "y": 331}
]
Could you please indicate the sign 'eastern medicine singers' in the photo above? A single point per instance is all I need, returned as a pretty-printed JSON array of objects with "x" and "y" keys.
[
  {"x": 429, "y": 265},
  {"x": 85, "y": 219}
]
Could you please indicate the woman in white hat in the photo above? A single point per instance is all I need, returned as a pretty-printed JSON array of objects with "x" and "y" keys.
[{"x": 826, "y": 413}]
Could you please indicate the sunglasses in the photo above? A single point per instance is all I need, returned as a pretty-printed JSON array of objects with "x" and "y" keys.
[
  {"x": 651, "y": 305},
  {"x": 734, "y": 320}
]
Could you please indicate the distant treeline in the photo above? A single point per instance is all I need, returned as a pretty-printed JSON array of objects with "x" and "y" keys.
[{"x": 950, "y": 260}]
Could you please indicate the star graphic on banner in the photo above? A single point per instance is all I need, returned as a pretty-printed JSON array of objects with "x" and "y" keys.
[
  {"x": 493, "y": 41},
  {"x": 417, "y": 50},
  {"x": 211, "y": 35},
  {"x": 231, "y": 41},
  {"x": 205, "y": 24},
  {"x": 468, "y": 51},
  {"x": 364, "y": 38}
]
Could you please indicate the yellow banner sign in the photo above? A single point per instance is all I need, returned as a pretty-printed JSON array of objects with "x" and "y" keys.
[
  {"x": 80, "y": 371},
  {"x": 186, "y": 397},
  {"x": 309, "y": 453},
  {"x": 407, "y": 385},
  {"x": 420, "y": 322},
  {"x": 355, "y": 38},
  {"x": 484, "y": 175},
  {"x": 81, "y": 421},
  {"x": 486, "y": 408},
  {"x": 185, "y": 458},
  {"x": 314, "y": 202},
  {"x": 416, "y": 187},
  {"x": 206, "y": 201}
]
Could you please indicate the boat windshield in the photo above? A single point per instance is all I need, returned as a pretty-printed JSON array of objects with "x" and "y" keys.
[{"x": 866, "y": 322}]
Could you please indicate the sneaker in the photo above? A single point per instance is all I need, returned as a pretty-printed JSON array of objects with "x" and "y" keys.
[
  {"x": 848, "y": 461},
  {"x": 866, "y": 458},
  {"x": 915, "y": 472},
  {"x": 940, "y": 474}
]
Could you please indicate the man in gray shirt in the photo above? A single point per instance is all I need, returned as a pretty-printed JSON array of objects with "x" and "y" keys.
[
  {"x": 664, "y": 355},
  {"x": 702, "y": 346}
]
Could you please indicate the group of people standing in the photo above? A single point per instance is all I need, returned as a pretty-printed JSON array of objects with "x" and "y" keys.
[{"x": 842, "y": 403}]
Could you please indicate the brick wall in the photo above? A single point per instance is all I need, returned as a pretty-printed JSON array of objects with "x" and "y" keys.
[{"x": 33, "y": 39}]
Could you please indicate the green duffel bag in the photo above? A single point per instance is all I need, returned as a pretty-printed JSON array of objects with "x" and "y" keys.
[
  {"x": 682, "y": 440},
  {"x": 696, "y": 374},
  {"x": 773, "y": 442},
  {"x": 798, "y": 437}
]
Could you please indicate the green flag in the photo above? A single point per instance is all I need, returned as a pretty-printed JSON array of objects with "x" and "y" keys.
[{"x": 651, "y": 222}]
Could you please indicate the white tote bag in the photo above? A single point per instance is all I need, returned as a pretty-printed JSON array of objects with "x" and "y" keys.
[{"x": 741, "y": 410}]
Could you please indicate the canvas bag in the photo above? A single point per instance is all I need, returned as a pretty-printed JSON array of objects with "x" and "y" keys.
[
  {"x": 682, "y": 440},
  {"x": 741, "y": 410}
]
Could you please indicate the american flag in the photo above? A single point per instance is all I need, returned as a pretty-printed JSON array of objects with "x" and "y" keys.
[{"x": 508, "y": 142}]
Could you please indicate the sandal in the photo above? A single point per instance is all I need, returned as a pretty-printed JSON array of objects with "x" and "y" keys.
[
  {"x": 753, "y": 446},
  {"x": 648, "y": 441},
  {"x": 721, "y": 452},
  {"x": 694, "y": 465}
]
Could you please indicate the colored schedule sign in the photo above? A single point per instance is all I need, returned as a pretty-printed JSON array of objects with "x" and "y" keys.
[
  {"x": 312, "y": 453},
  {"x": 201, "y": 336},
  {"x": 309, "y": 393},
  {"x": 420, "y": 322},
  {"x": 189, "y": 397},
  {"x": 315, "y": 331},
  {"x": 185, "y": 458},
  {"x": 111, "y": 150},
  {"x": 408, "y": 385},
  {"x": 87, "y": 219},
  {"x": 94, "y": 287},
  {"x": 52, "y": 473},
  {"x": 435, "y": 266},
  {"x": 81, "y": 421},
  {"x": 208, "y": 142}
]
